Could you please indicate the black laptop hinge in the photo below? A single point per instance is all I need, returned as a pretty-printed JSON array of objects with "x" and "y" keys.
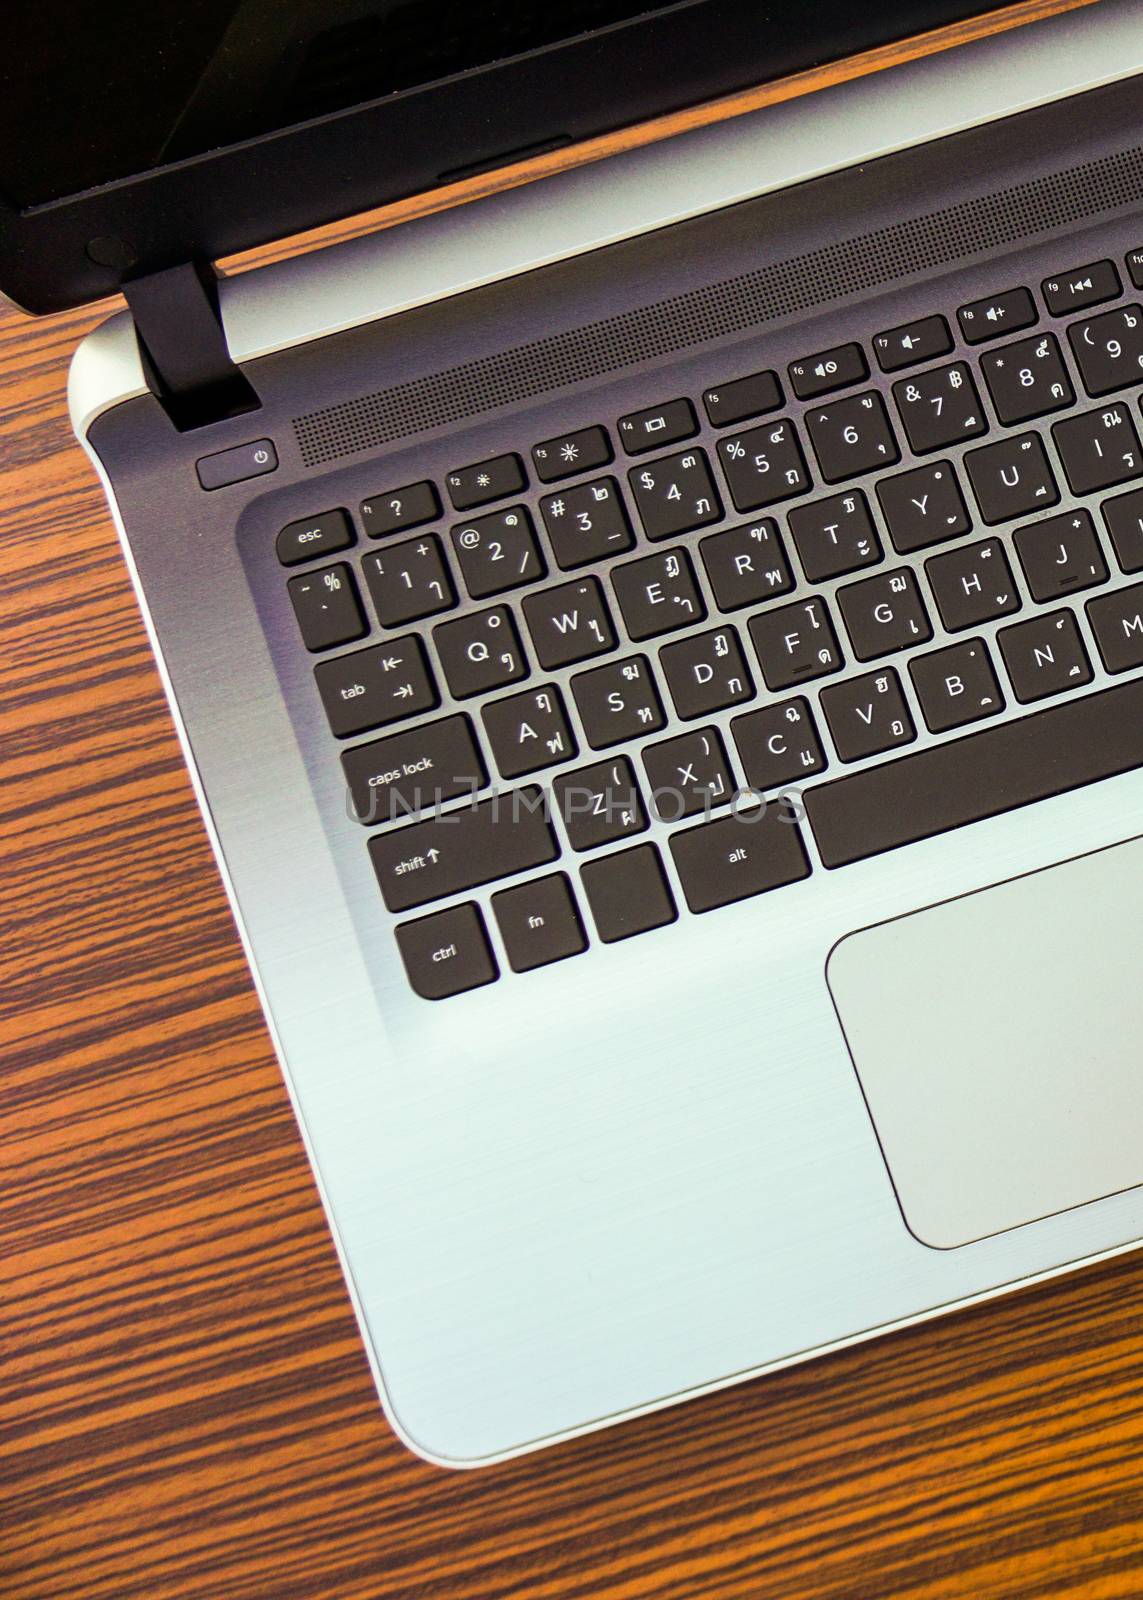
[{"x": 183, "y": 346}]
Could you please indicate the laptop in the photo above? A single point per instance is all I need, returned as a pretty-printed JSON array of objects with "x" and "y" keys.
[{"x": 659, "y": 650}]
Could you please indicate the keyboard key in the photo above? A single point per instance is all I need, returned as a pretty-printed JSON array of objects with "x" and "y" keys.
[
  {"x": 923, "y": 507},
  {"x": 764, "y": 465},
  {"x": 314, "y": 536},
  {"x": 586, "y": 523},
  {"x": 1099, "y": 449},
  {"x": 956, "y": 686},
  {"x": 796, "y": 643},
  {"x": 409, "y": 581},
  {"x": 413, "y": 771},
  {"x": 688, "y": 774},
  {"x": 485, "y": 481},
  {"x": 706, "y": 673},
  {"x": 1135, "y": 267},
  {"x": 571, "y": 453},
  {"x": 1081, "y": 287},
  {"x": 617, "y": 702},
  {"x": 834, "y": 536},
  {"x": 884, "y": 614},
  {"x": 529, "y": 731},
  {"x": 778, "y": 745},
  {"x": 658, "y": 594},
  {"x": 867, "y": 715},
  {"x": 498, "y": 552},
  {"x": 398, "y": 509},
  {"x": 1060, "y": 556},
  {"x": 1109, "y": 350},
  {"x": 1117, "y": 622},
  {"x": 327, "y": 607},
  {"x": 569, "y": 623},
  {"x": 1012, "y": 477},
  {"x": 600, "y": 804},
  {"x": 505, "y": 834},
  {"x": 657, "y": 426},
  {"x": 675, "y": 495},
  {"x": 447, "y": 953},
  {"x": 1027, "y": 379},
  {"x": 939, "y": 408},
  {"x": 480, "y": 652},
  {"x": 994, "y": 770},
  {"x": 241, "y": 461},
  {"x": 745, "y": 565},
  {"x": 539, "y": 923},
  {"x": 371, "y": 688},
  {"x": 737, "y": 856},
  {"x": 912, "y": 343},
  {"x": 972, "y": 585},
  {"x": 744, "y": 398},
  {"x": 1123, "y": 516},
  {"x": 828, "y": 370},
  {"x": 1044, "y": 656},
  {"x": 1003, "y": 313},
  {"x": 851, "y": 436},
  {"x": 628, "y": 893}
]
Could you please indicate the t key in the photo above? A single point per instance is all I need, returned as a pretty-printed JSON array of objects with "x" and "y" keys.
[{"x": 834, "y": 535}]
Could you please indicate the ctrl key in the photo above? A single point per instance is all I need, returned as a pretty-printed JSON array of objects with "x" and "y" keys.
[{"x": 447, "y": 953}]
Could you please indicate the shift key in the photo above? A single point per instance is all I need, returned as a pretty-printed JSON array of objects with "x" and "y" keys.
[{"x": 461, "y": 849}]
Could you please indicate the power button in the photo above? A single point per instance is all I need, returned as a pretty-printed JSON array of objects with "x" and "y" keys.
[{"x": 231, "y": 466}]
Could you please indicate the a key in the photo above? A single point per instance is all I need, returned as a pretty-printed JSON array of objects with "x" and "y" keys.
[
  {"x": 912, "y": 343},
  {"x": 571, "y": 453},
  {"x": 1099, "y": 449},
  {"x": 1123, "y": 516},
  {"x": 1000, "y": 314},
  {"x": 688, "y": 774},
  {"x": 675, "y": 495},
  {"x": 884, "y": 614},
  {"x": 851, "y": 436},
  {"x": 1117, "y": 623},
  {"x": 742, "y": 399},
  {"x": 412, "y": 771},
  {"x": 972, "y": 585},
  {"x": 539, "y": 922},
  {"x": 658, "y": 594},
  {"x": 706, "y": 673},
  {"x": 764, "y": 465},
  {"x": 628, "y": 893},
  {"x": 327, "y": 607},
  {"x": 529, "y": 731},
  {"x": 480, "y": 652},
  {"x": 1027, "y": 379},
  {"x": 956, "y": 686},
  {"x": 1109, "y": 350},
  {"x": 569, "y": 623},
  {"x": 600, "y": 803},
  {"x": 498, "y": 552},
  {"x": 447, "y": 953},
  {"x": 745, "y": 565},
  {"x": 1081, "y": 287},
  {"x": 371, "y": 688},
  {"x": 1011, "y": 478},
  {"x": 398, "y": 509},
  {"x": 1044, "y": 656},
  {"x": 408, "y": 581},
  {"x": 828, "y": 370},
  {"x": 923, "y": 507},
  {"x": 867, "y": 715},
  {"x": 617, "y": 702},
  {"x": 313, "y": 537},
  {"x": 494, "y": 479},
  {"x": 737, "y": 856},
  {"x": 796, "y": 643},
  {"x": 657, "y": 426},
  {"x": 461, "y": 849},
  {"x": 834, "y": 536},
  {"x": 1061, "y": 555},
  {"x": 586, "y": 523},
  {"x": 939, "y": 408},
  {"x": 778, "y": 745}
]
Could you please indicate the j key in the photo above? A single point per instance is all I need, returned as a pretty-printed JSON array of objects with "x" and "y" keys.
[
  {"x": 657, "y": 426},
  {"x": 1027, "y": 379},
  {"x": 617, "y": 702},
  {"x": 688, "y": 774},
  {"x": 586, "y": 523},
  {"x": 734, "y": 857},
  {"x": 528, "y": 731},
  {"x": 462, "y": 849},
  {"x": 570, "y": 453},
  {"x": 498, "y": 552},
  {"x": 764, "y": 465},
  {"x": 745, "y": 565},
  {"x": 485, "y": 481},
  {"x": 1061, "y": 555},
  {"x": 658, "y": 594},
  {"x": 447, "y": 953},
  {"x": 972, "y": 585},
  {"x": 1117, "y": 622},
  {"x": 795, "y": 643},
  {"x": 939, "y": 408},
  {"x": 912, "y": 343},
  {"x": 569, "y": 623},
  {"x": 1044, "y": 656},
  {"x": 1124, "y": 518},
  {"x": 868, "y": 715},
  {"x": 480, "y": 652},
  {"x": 398, "y": 509},
  {"x": 1003, "y": 313},
  {"x": 600, "y": 804},
  {"x": 744, "y": 398},
  {"x": 539, "y": 923},
  {"x": 884, "y": 614},
  {"x": 675, "y": 495},
  {"x": 834, "y": 536},
  {"x": 370, "y": 688},
  {"x": 829, "y": 370},
  {"x": 628, "y": 893},
  {"x": 1012, "y": 477},
  {"x": 706, "y": 673},
  {"x": 956, "y": 686},
  {"x": 1099, "y": 449},
  {"x": 409, "y": 580},
  {"x": 1082, "y": 286},
  {"x": 327, "y": 608},
  {"x": 923, "y": 507},
  {"x": 413, "y": 771},
  {"x": 1109, "y": 350},
  {"x": 851, "y": 436},
  {"x": 313, "y": 537},
  {"x": 778, "y": 745}
]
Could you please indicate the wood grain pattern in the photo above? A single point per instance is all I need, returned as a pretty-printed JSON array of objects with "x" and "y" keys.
[{"x": 185, "y": 1410}]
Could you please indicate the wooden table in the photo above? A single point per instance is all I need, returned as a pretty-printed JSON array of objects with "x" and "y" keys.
[{"x": 185, "y": 1409}]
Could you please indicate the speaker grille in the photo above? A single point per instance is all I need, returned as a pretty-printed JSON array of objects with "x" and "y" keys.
[{"x": 849, "y": 266}]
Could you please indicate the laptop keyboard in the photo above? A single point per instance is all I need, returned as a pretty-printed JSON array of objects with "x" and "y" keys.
[{"x": 755, "y": 578}]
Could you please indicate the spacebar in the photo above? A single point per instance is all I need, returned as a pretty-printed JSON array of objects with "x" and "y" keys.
[{"x": 1013, "y": 764}]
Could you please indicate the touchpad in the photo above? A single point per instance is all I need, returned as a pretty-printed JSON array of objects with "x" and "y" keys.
[{"x": 999, "y": 1042}]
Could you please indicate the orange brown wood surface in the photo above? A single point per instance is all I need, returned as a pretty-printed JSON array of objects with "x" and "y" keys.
[{"x": 185, "y": 1410}]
